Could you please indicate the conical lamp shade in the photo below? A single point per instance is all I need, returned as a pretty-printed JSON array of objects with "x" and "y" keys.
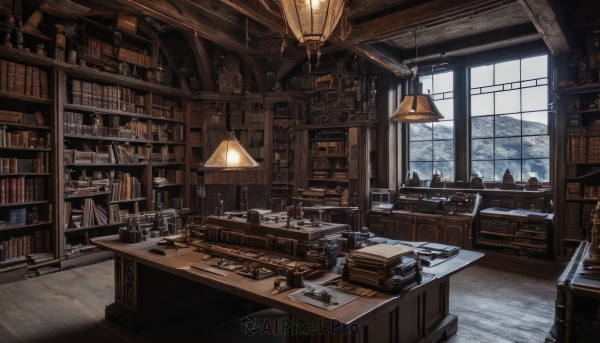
[
  {"x": 230, "y": 155},
  {"x": 417, "y": 108}
]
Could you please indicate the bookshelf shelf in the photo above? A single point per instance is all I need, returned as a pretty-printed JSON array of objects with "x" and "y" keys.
[
  {"x": 107, "y": 165},
  {"x": 87, "y": 195},
  {"x": 121, "y": 113},
  {"x": 9, "y": 124},
  {"x": 583, "y": 200},
  {"x": 330, "y": 180},
  {"x": 17, "y": 204},
  {"x": 126, "y": 201},
  {"x": 23, "y": 226},
  {"x": 27, "y": 98},
  {"x": 168, "y": 185},
  {"x": 119, "y": 139},
  {"x": 168, "y": 164},
  {"x": 24, "y": 174},
  {"x": 91, "y": 227},
  {"x": 24, "y": 149}
]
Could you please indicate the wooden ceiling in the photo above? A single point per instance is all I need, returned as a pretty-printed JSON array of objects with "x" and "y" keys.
[{"x": 382, "y": 30}]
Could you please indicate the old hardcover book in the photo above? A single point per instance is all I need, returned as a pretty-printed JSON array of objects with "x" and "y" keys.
[
  {"x": 19, "y": 78},
  {"x": 11, "y": 77},
  {"x": 3, "y": 76},
  {"x": 28, "y": 80},
  {"x": 43, "y": 84},
  {"x": 86, "y": 91},
  {"x": 94, "y": 95},
  {"x": 76, "y": 92},
  {"x": 583, "y": 145},
  {"x": 35, "y": 82}
]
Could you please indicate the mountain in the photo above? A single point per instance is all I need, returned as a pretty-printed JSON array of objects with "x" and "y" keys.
[{"x": 535, "y": 149}]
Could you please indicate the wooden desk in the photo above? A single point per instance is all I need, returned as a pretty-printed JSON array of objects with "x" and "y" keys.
[
  {"x": 577, "y": 299},
  {"x": 148, "y": 285}
]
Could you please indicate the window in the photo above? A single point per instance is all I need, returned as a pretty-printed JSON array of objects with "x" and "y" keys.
[
  {"x": 431, "y": 145},
  {"x": 509, "y": 119}
]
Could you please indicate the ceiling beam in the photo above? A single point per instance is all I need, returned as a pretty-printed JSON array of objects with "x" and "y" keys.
[
  {"x": 258, "y": 12},
  {"x": 544, "y": 18},
  {"x": 426, "y": 15},
  {"x": 191, "y": 18},
  {"x": 482, "y": 41},
  {"x": 203, "y": 59},
  {"x": 377, "y": 54}
]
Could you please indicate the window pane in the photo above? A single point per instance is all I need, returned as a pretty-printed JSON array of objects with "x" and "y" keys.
[
  {"x": 508, "y": 102},
  {"x": 482, "y": 105},
  {"x": 446, "y": 170},
  {"x": 443, "y": 150},
  {"x": 507, "y": 72},
  {"x": 482, "y": 76},
  {"x": 482, "y": 127},
  {"x": 485, "y": 169},
  {"x": 535, "y": 98},
  {"x": 514, "y": 166},
  {"x": 534, "y": 67},
  {"x": 506, "y": 148},
  {"x": 443, "y": 130},
  {"x": 540, "y": 167},
  {"x": 535, "y": 123},
  {"x": 423, "y": 169},
  {"x": 419, "y": 131},
  {"x": 536, "y": 147},
  {"x": 421, "y": 151},
  {"x": 446, "y": 107},
  {"x": 426, "y": 83},
  {"x": 443, "y": 83},
  {"x": 482, "y": 149},
  {"x": 508, "y": 125}
]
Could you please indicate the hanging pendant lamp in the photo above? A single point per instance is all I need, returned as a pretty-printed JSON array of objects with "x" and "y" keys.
[
  {"x": 312, "y": 21},
  {"x": 417, "y": 107},
  {"x": 230, "y": 156}
]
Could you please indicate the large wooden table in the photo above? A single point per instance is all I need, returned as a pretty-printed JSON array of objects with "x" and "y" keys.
[{"x": 148, "y": 285}]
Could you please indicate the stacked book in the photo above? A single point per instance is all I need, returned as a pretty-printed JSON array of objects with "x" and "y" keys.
[
  {"x": 18, "y": 190},
  {"x": 126, "y": 187},
  {"x": 26, "y": 245},
  {"x": 583, "y": 149},
  {"x": 20, "y": 79},
  {"x": 94, "y": 95},
  {"x": 36, "y": 119},
  {"x": 11, "y": 165},
  {"x": 385, "y": 267}
]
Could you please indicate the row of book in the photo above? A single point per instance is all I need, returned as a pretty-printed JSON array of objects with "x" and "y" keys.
[
  {"x": 163, "y": 200},
  {"x": 19, "y": 189},
  {"x": 94, "y": 95},
  {"x": 24, "y": 139},
  {"x": 24, "y": 215},
  {"x": 35, "y": 119},
  {"x": 589, "y": 191},
  {"x": 21, "y": 79},
  {"x": 90, "y": 214},
  {"x": 583, "y": 149},
  {"x": 10, "y": 165},
  {"x": 25, "y": 245},
  {"x": 230, "y": 178},
  {"x": 126, "y": 187}
]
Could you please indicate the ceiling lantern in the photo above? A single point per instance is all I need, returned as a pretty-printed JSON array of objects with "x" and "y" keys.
[
  {"x": 417, "y": 107},
  {"x": 312, "y": 21},
  {"x": 230, "y": 156}
]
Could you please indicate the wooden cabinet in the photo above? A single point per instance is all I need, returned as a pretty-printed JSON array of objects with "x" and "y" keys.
[{"x": 419, "y": 227}]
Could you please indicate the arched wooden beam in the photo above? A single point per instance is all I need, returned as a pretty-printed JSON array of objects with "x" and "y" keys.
[
  {"x": 147, "y": 30},
  {"x": 259, "y": 69},
  {"x": 202, "y": 59}
]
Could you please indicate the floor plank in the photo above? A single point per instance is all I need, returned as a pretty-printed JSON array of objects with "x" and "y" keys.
[{"x": 504, "y": 298}]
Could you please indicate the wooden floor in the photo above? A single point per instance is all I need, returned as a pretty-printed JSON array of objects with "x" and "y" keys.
[{"x": 502, "y": 299}]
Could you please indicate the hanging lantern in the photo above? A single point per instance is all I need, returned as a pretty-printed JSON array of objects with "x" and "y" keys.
[
  {"x": 230, "y": 155},
  {"x": 312, "y": 21},
  {"x": 417, "y": 107}
]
